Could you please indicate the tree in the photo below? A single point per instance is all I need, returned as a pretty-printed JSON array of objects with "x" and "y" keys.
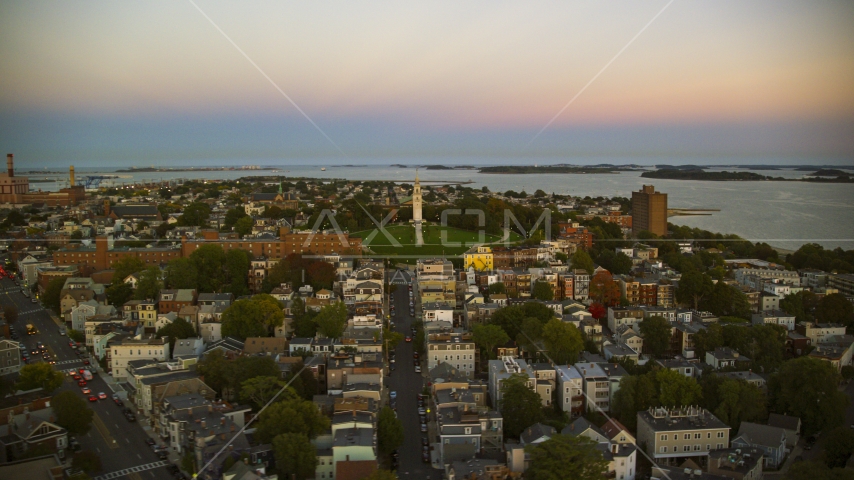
[
  {"x": 636, "y": 393},
  {"x": 656, "y": 333},
  {"x": 237, "y": 264},
  {"x": 254, "y": 317},
  {"x": 497, "y": 288},
  {"x": 321, "y": 275},
  {"x": 581, "y": 259},
  {"x": 75, "y": 335},
  {"x": 732, "y": 400},
  {"x": 178, "y": 329},
  {"x": 806, "y": 387},
  {"x": 126, "y": 266},
  {"x": 332, "y": 319},
  {"x": 520, "y": 406},
  {"x": 835, "y": 308},
  {"x": 675, "y": 389},
  {"x": 244, "y": 226},
  {"x": 182, "y": 273},
  {"x": 389, "y": 431},
  {"x": 303, "y": 381},
  {"x": 149, "y": 284},
  {"x": 563, "y": 341},
  {"x": 726, "y": 300},
  {"x": 708, "y": 339},
  {"x": 233, "y": 215},
  {"x": 195, "y": 214},
  {"x": 801, "y": 305},
  {"x": 258, "y": 391},
  {"x": 604, "y": 290},
  {"x": 72, "y": 413},
  {"x": 50, "y": 297},
  {"x": 290, "y": 415},
  {"x": 511, "y": 318},
  {"x": 39, "y": 375},
  {"x": 815, "y": 469},
  {"x": 119, "y": 294},
  {"x": 838, "y": 447},
  {"x": 209, "y": 260},
  {"x": 86, "y": 460},
  {"x": 10, "y": 313},
  {"x": 295, "y": 456},
  {"x": 597, "y": 310},
  {"x": 487, "y": 337},
  {"x": 543, "y": 291},
  {"x": 616, "y": 263},
  {"x": 566, "y": 456},
  {"x": 693, "y": 287}
]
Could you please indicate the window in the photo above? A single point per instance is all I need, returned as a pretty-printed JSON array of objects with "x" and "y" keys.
[
  {"x": 663, "y": 449},
  {"x": 664, "y": 438},
  {"x": 709, "y": 435},
  {"x": 697, "y": 447},
  {"x": 687, "y": 436},
  {"x": 697, "y": 436},
  {"x": 708, "y": 447},
  {"x": 720, "y": 446},
  {"x": 686, "y": 448},
  {"x": 720, "y": 434}
]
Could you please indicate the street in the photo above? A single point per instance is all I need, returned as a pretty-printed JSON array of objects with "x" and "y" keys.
[
  {"x": 408, "y": 385},
  {"x": 119, "y": 443}
]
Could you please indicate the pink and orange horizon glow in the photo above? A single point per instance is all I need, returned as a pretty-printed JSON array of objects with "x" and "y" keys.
[{"x": 446, "y": 68}]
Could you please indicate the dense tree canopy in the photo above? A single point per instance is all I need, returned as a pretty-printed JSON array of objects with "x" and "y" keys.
[
  {"x": 510, "y": 318},
  {"x": 72, "y": 412},
  {"x": 389, "y": 431},
  {"x": 291, "y": 415},
  {"x": 563, "y": 341},
  {"x": 520, "y": 406},
  {"x": 295, "y": 456},
  {"x": 39, "y": 375},
  {"x": 487, "y": 337},
  {"x": 806, "y": 387},
  {"x": 656, "y": 333},
  {"x": 254, "y": 317},
  {"x": 566, "y": 456}
]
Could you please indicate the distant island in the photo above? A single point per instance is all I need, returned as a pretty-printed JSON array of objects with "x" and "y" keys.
[
  {"x": 700, "y": 174},
  {"x": 443, "y": 167},
  {"x": 191, "y": 169},
  {"x": 829, "y": 172},
  {"x": 521, "y": 169}
]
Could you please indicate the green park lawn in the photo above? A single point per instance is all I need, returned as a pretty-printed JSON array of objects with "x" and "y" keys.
[{"x": 405, "y": 235}]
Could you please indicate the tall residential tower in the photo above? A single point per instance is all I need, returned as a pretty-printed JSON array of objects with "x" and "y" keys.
[{"x": 649, "y": 211}]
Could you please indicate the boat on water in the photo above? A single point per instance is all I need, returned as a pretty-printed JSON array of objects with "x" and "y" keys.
[{"x": 322, "y": 169}]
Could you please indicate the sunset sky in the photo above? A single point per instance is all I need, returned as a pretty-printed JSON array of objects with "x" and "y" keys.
[{"x": 155, "y": 81}]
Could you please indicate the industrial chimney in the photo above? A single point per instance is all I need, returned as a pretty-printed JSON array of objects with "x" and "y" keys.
[
  {"x": 71, "y": 175},
  {"x": 10, "y": 164}
]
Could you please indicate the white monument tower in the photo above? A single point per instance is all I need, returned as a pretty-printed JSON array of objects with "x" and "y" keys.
[{"x": 416, "y": 200}]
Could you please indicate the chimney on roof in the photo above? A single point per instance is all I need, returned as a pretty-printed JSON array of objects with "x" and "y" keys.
[{"x": 10, "y": 164}]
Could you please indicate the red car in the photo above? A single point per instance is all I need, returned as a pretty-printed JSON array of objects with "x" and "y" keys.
[
  {"x": 85, "y": 361},
  {"x": 408, "y": 339},
  {"x": 86, "y": 391},
  {"x": 93, "y": 398},
  {"x": 76, "y": 376},
  {"x": 81, "y": 370},
  {"x": 81, "y": 383}
]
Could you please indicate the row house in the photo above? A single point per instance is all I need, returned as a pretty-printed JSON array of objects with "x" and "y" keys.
[
  {"x": 172, "y": 300},
  {"x": 458, "y": 350},
  {"x": 623, "y": 316},
  {"x": 671, "y": 436}
]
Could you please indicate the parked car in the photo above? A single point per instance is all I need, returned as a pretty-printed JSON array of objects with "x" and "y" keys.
[
  {"x": 150, "y": 442},
  {"x": 102, "y": 396},
  {"x": 163, "y": 455}
]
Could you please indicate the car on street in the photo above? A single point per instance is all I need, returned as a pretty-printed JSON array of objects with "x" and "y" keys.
[
  {"x": 418, "y": 369},
  {"x": 62, "y": 333},
  {"x": 76, "y": 376},
  {"x": 422, "y": 411},
  {"x": 425, "y": 457},
  {"x": 392, "y": 394},
  {"x": 150, "y": 442},
  {"x": 425, "y": 441},
  {"x": 408, "y": 338},
  {"x": 415, "y": 355},
  {"x": 85, "y": 361},
  {"x": 163, "y": 455},
  {"x": 81, "y": 383},
  {"x": 129, "y": 416},
  {"x": 93, "y": 398},
  {"x": 118, "y": 402},
  {"x": 72, "y": 344},
  {"x": 74, "y": 444},
  {"x": 34, "y": 351},
  {"x": 102, "y": 396},
  {"x": 81, "y": 370},
  {"x": 423, "y": 427}
]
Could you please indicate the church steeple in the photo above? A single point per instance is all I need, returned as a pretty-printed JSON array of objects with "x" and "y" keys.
[
  {"x": 280, "y": 188},
  {"x": 416, "y": 199}
]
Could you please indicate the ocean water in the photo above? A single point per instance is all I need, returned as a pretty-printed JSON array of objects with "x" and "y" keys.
[{"x": 783, "y": 214}]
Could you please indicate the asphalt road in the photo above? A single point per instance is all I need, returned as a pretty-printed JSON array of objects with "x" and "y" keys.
[
  {"x": 120, "y": 444},
  {"x": 408, "y": 385}
]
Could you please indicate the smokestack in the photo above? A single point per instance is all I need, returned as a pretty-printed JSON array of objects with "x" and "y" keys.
[
  {"x": 71, "y": 175},
  {"x": 10, "y": 164},
  {"x": 106, "y": 208}
]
